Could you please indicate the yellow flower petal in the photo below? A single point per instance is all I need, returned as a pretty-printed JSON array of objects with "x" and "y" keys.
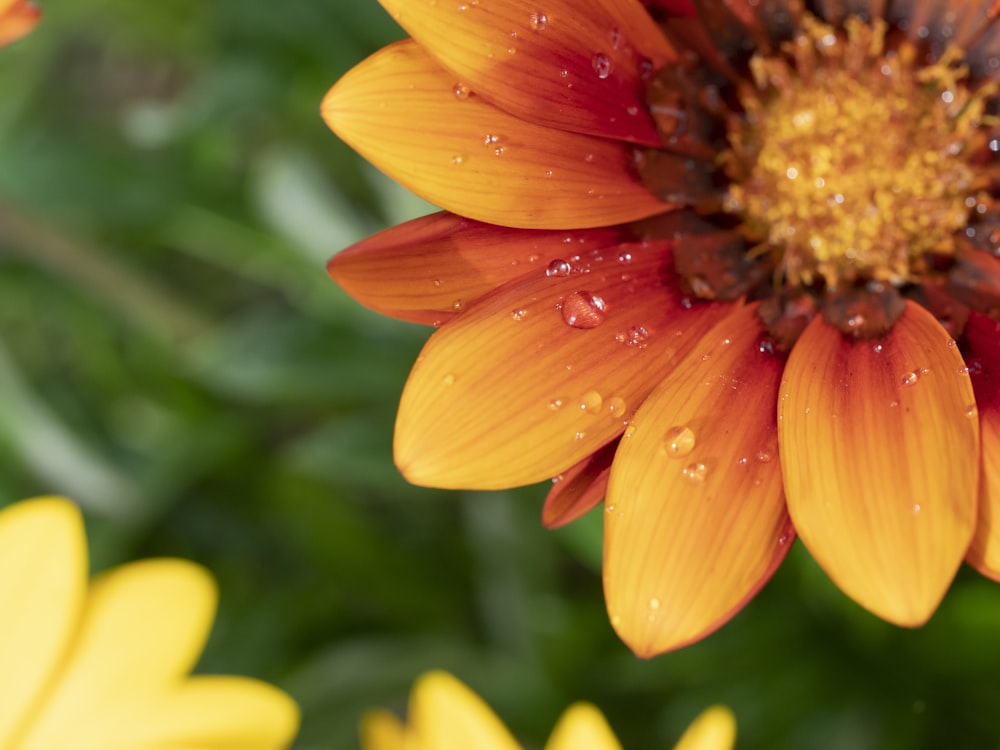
[
  {"x": 714, "y": 729},
  {"x": 509, "y": 393},
  {"x": 143, "y": 627},
  {"x": 446, "y": 715},
  {"x": 382, "y": 730},
  {"x": 17, "y": 18},
  {"x": 582, "y": 727},
  {"x": 695, "y": 519},
  {"x": 880, "y": 454},
  {"x": 43, "y": 580},
  {"x": 399, "y": 110}
]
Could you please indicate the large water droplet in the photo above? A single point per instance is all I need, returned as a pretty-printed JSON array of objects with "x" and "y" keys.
[
  {"x": 461, "y": 91},
  {"x": 678, "y": 441},
  {"x": 555, "y": 404},
  {"x": 911, "y": 378},
  {"x": 583, "y": 310},
  {"x": 538, "y": 21},
  {"x": 591, "y": 401},
  {"x": 616, "y": 406},
  {"x": 558, "y": 267},
  {"x": 602, "y": 65},
  {"x": 519, "y": 314}
]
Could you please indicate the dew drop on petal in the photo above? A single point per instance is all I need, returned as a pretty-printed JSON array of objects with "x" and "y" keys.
[
  {"x": 583, "y": 310},
  {"x": 763, "y": 457},
  {"x": 695, "y": 473},
  {"x": 629, "y": 431},
  {"x": 448, "y": 379},
  {"x": 558, "y": 267},
  {"x": 971, "y": 411},
  {"x": 538, "y": 21},
  {"x": 602, "y": 65},
  {"x": 457, "y": 159},
  {"x": 461, "y": 91},
  {"x": 591, "y": 401},
  {"x": 616, "y": 406},
  {"x": 911, "y": 378},
  {"x": 580, "y": 436},
  {"x": 519, "y": 314},
  {"x": 678, "y": 441}
]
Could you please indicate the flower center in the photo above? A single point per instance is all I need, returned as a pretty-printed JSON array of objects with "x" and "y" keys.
[{"x": 849, "y": 163}]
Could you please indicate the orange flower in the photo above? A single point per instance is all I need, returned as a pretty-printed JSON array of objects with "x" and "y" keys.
[
  {"x": 730, "y": 266},
  {"x": 17, "y": 18}
]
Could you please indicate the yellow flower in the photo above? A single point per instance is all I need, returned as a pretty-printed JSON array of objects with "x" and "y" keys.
[
  {"x": 445, "y": 715},
  {"x": 17, "y": 18},
  {"x": 731, "y": 267},
  {"x": 105, "y": 665}
]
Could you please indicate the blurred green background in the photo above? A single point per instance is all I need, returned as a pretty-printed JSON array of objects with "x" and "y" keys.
[{"x": 173, "y": 357}]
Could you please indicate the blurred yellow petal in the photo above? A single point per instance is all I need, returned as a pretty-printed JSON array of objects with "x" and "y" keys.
[
  {"x": 382, "y": 730},
  {"x": 43, "y": 580},
  {"x": 446, "y": 715},
  {"x": 17, "y": 18},
  {"x": 143, "y": 627},
  {"x": 695, "y": 519},
  {"x": 582, "y": 727},
  {"x": 880, "y": 453},
  {"x": 714, "y": 729},
  {"x": 399, "y": 110}
]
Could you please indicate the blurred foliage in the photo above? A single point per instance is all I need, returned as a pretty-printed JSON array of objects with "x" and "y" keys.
[{"x": 173, "y": 357}]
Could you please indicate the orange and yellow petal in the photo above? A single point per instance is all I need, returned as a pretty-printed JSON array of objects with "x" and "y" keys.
[
  {"x": 579, "y": 489},
  {"x": 424, "y": 270},
  {"x": 43, "y": 583},
  {"x": 983, "y": 360},
  {"x": 714, "y": 729},
  {"x": 575, "y": 65},
  {"x": 400, "y": 110},
  {"x": 695, "y": 519},
  {"x": 17, "y": 18},
  {"x": 445, "y": 715},
  {"x": 880, "y": 453},
  {"x": 544, "y": 371},
  {"x": 582, "y": 727}
]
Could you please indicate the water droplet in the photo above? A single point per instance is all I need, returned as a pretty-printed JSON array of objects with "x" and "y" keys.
[
  {"x": 616, "y": 406},
  {"x": 489, "y": 139},
  {"x": 911, "y": 378},
  {"x": 498, "y": 151},
  {"x": 583, "y": 310},
  {"x": 678, "y": 441},
  {"x": 629, "y": 431},
  {"x": 457, "y": 159},
  {"x": 519, "y": 314},
  {"x": 580, "y": 436},
  {"x": 763, "y": 457},
  {"x": 971, "y": 411},
  {"x": 695, "y": 473},
  {"x": 558, "y": 267},
  {"x": 916, "y": 508},
  {"x": 877, "y": 348},
  {"x": 461, "y": 91},
  {"x": 458, "y": 305},
  {"x": 610, "y": 508},
  {"x": 448, "y": 379},
  {"x": 654, "y": 603},
  {"x": 563, "y": 73},
  {"x": 625, "y": 257},
  {"x": 437, "y": 282},
  {"x": 783, "y": 539},
  {"x": 538, "y": 21},
  {"x": 557, "y": 479},
  {"x": 555, "y": 404},
  {"x": 591, "y": 401},
  {"x": 602, "y": 65}
]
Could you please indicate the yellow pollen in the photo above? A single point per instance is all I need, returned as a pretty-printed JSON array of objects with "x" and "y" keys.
[{"x": 851, "y": 162}]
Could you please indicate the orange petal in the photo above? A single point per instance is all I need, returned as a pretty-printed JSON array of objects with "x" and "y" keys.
[
  {"x": 425, "y": 269},
  {"x": 579, "y": 489},
  {"x": 17, "y": 18},
  {"x": 577, "y": 65},
  {"x": 509, "y": 393},
  {"x": 983, "y": 359},
  {"x": 695, "y": 521},
  {"x": 399, "y": 109},
  {"x": 880, "y": 454}
]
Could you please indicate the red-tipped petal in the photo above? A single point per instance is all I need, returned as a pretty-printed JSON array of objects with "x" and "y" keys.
[
  {"x": 576, "y": 65},
  {"x": 983, "y": 360},
  {"x": 536, "y": 376},
  {"x": 880, "y": 455},
  {"x": 579, "y": 489},
  {"x": 399, "y": 109},
  {"x": 695, "y": 520},
  {"x": 17, "y": 18},
  {"x": 425, "y": 269}
]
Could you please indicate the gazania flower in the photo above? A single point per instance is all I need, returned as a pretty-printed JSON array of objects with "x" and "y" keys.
[
  {"x": 105, "y": 666},
  {"x": 729, "y": 265},
  {"x": 445, "y": 715},
  {"x": 17, "y": 18}
]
